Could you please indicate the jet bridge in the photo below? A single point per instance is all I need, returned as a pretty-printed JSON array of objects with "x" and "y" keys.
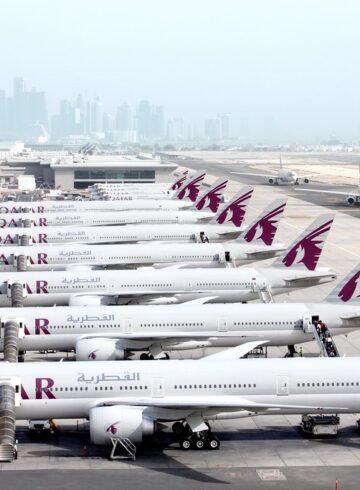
[
  {"x": 16, "y": 290},
  {"x": 9, "y": 399},
  {"x": 12, "y": 329},
  {"x": 24, "y": 239}
]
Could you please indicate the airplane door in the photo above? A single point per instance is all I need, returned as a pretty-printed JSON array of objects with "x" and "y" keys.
[
  {"x": 157, "y": 387},
  {"x": 223, "y": 325},
  {"x": 188, "y": 285},
  {"x": 307, "y": 323},
  {"x": 282, "y": 385},
  {"x": 128, "y": 325}
]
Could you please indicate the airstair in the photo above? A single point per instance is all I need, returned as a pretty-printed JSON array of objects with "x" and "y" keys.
[
  {"x": 264, "y": 293},
  {"x": 122, "y": 447},
  {"x": 322, "y": 336}
]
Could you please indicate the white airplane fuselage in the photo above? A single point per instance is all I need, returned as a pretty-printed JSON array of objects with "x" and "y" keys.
[
  {"x": 99, "y": 218},
  {"x": 126, "y": 203},
  {"x": 185, "y": 232},
  {"x": 61, "y": 257},
  {"x": 214, "y": 389},
  {"x": 87, "y": 287},
  {"x": 176, "y": 327}
]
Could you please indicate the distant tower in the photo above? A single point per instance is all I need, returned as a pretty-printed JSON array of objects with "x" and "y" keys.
[
  {"x": 124, "y": 117},
  {"x": 224, "y": 120},
  {"x": 144, "y": 120},
  {"x": 96, "y": 115}
]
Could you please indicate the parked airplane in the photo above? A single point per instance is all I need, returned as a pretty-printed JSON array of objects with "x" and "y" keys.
[
  {"x": 128, "y": 402},
  {"x": 224, "y": 225},
  {"x": 294, "y": 269},
  {"x": 116, "y": 332},
  {"x": 283, "y": 176},
  {"x": 190, "y": 188},
  {"x": 100, "y": 189},
  {"x": 352, "y": 198},
  {"x": 256, "y": 244}
]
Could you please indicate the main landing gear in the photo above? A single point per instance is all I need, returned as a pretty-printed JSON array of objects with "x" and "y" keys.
[
  {"x": 188, "y": 439},
  {"x": 149, "y": 357}
]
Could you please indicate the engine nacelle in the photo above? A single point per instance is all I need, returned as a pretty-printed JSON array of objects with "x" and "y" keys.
[
  {"x": 351, "y": 200},
  {"x": 306, "y": 180},
  {"x": 119, "y": 421},
  {"x": 271, "y": 181},
  {"x": 89, "y": 300},
  {"x": 99, "y": 349}
]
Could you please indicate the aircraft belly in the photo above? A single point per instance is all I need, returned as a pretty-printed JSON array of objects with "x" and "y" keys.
[
  {"x": 54, "y": 408},
  {"x": 48, "y": 342},
  {"x": 38, "y": 300}
]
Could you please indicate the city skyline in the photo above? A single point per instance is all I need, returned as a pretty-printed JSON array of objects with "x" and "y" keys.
[{"x": 23, "y": 113}]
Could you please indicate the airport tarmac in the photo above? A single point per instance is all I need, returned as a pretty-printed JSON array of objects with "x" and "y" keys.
[
  {"x": 256, "y": 452},
  {"x": 224, "y": 163}
]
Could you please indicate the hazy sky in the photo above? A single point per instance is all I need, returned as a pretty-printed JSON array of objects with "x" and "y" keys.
[{"x": 297, "y": 61}]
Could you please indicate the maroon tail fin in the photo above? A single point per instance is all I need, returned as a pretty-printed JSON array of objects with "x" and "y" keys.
[
  {"x": 234, "y": 211},
  {"x": 305, "y": 252},
  {"x": 212, "y": 198},
  {"x": 265, "y": 227}
]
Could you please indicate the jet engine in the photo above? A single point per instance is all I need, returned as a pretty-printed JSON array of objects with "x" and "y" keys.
[
  {"x": 306, "y": 180},
  {"x": 99, "y": 349},
  {"x": 119, "y": 421},
  {"x": 271, "y": 181},
  {"x": 351, "y": 200}
]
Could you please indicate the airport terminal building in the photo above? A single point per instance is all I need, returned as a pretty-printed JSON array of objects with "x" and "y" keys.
[{"x": 72, "y": 172}]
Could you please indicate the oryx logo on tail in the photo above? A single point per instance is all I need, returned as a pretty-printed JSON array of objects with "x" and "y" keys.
[
  {"x": 308, "y": 248},
  {"x": 234, "y": 212},
  {"x": 212, "y": 198},
  {"x": 178, "y": 183},
  {"x": 191, "y": 189},
  {"x": 351, "y": 289},
  {"x": 265, "y": 227}
]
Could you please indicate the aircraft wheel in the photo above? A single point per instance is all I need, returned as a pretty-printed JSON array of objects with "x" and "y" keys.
[
  {"x": 200, "y": 444},
  {"x": 144, "y": 357},
  {"x": 214, "y": 443},
  {"x": 186, "y": 444}
]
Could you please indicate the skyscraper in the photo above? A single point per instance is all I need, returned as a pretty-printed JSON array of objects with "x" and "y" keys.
[
  {"x": 96, "y": 115},
  {"x": 124, "y": 118},
  {"x": 224, "y": 119},
  {"x": 144, "y": 120},
  {"x": 157, "y": 122}
]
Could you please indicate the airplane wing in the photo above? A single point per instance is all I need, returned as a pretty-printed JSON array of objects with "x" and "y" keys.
[
  {"x": 140, "y": 294},
  {"x": 306, "y": 279},
  {"x": 226, "y": 403}
]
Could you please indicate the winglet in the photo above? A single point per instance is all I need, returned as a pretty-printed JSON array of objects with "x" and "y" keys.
[
  {"x": 348, "y": 290},
  {"x": 305, "y": 252},
  {"x": 235, "y": 352},
  {"x": 211, "y": 199},
  {"x": 265, "y": 227},
  {"x": 234, "y": 211},
  {"x": 190, "y": 190}
]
